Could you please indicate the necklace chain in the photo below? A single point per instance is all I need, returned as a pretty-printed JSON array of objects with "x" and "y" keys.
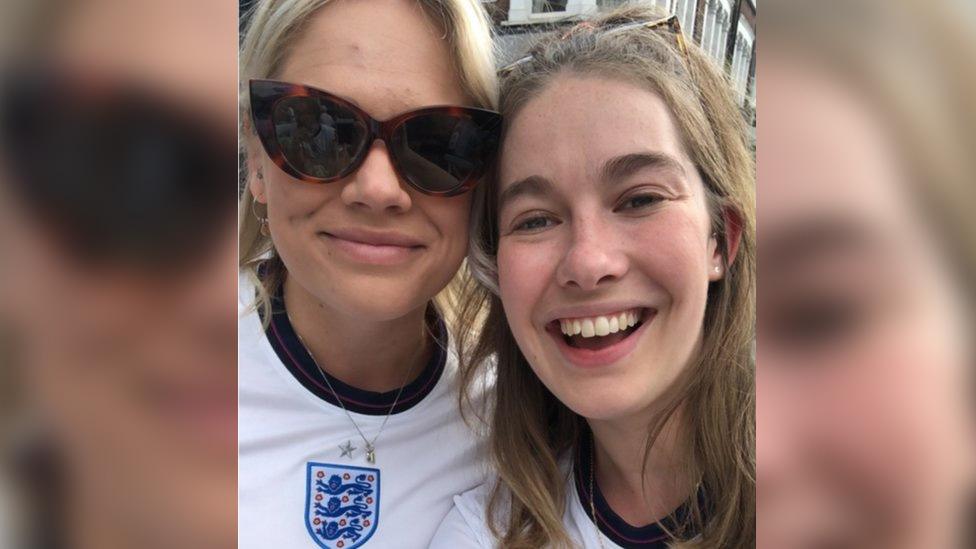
[
  {"x": 599, "y": 534},
  {"x": 370, "y": 444}
]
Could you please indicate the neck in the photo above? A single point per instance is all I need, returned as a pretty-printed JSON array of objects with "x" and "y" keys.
[
  {"x": 376, "y": 356},
  {"x": 641, "y": 487}
]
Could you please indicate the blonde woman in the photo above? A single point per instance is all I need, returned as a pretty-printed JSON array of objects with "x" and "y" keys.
[
  {"x": 366, "y": 129},
  {"x": 619, "y": 258}
]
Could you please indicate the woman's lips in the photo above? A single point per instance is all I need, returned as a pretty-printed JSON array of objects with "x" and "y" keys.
[
  {"x": 600, "y": 351},
  {"x": 373, "y": 248}
]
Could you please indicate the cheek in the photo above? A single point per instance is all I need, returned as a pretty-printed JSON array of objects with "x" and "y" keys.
[
  {"x": 449, "y": 216},
  {"x": 524, "y": 272},
  {"x": 672, "y": 254},
  {"x": 291, "y": 201}
]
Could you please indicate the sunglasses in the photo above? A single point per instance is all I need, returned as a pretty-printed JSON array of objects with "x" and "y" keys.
[
  {"x": 319, "y": 137},
  {"x": 670, "y": 23},
  {"x": 117, "y": 171}
]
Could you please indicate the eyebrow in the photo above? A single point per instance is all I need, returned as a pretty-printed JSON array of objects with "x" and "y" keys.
[
  {"x": 534, "y": 185},
  {"x": 809, "y": 241},
  {"x": 614, "y": 169},
  {"x": 629, "y": 164}
]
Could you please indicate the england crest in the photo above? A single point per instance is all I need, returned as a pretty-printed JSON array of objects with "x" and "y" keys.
[{"x": 342, "y": 505}]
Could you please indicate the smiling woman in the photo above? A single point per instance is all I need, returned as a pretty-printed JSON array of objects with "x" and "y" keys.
[
  {"x": 617, "y": 265},
  {"x": 367, "y": 124}
]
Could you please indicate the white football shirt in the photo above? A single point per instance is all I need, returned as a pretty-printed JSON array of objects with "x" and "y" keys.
[
  {"x": 466, "y": 526},
  {"x": 304, "y": 479}
]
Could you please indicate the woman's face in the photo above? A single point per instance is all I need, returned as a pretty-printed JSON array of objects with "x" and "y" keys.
[
  {"x": 864, "y": 415},
  {"x": 131, "y": 369},
  {"x": 602, "y": 222},
  {"x": 388, "y": 58}
]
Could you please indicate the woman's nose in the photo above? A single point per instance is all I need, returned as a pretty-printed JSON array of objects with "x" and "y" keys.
[
  {"x": 376, "y": 185},
  {"x": 592, "y": 259}
]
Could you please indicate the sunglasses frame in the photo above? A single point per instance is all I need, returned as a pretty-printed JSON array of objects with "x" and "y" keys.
[
  {"x": 265, "y": 95},
  {"x": 671, "y": 22}
]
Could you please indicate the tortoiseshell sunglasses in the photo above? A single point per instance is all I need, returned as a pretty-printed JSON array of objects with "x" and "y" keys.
[{"x": 319, "y": 137}]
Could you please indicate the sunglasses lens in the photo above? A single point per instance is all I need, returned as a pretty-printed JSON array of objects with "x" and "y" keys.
[
  {"x": 318, "y": 137},
  {"x": 441, "y": 152},
  {"x": 120, "y": 175}
]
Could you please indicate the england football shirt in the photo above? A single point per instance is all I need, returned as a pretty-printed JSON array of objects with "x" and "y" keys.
[
  {"x": 305, "y": 479},
  {"x": 466, "y": 526}
]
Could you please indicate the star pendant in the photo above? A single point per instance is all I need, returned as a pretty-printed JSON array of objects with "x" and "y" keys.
[{"x": 347, "y": 449}]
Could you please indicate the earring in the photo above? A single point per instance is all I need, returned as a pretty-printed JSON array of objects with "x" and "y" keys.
[
  {"x": 718, "y": 269},
  {"x": 260, "y": 174},
  {"x": 263, "y": 220}
]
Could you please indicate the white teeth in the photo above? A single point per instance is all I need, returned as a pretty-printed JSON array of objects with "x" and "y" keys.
[
  {"x": 600, "y": 325},
  {"x": 588, "y": 329}
]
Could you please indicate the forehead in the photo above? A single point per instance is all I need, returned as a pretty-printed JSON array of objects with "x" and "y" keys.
[
  {"x": 824, "y": 150},
  {"x": 194, "y": 68},
  {"x": 830, "y": 179},
  {"x": 386, "y": 55},
  {"x": 578, "y": 122}
]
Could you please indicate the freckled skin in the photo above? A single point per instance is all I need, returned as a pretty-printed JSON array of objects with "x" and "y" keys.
[{"x": 661, "y": 256}]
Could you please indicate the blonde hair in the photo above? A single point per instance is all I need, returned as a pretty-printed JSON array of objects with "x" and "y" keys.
[
  {"x": 530, "y": 430},
  {"x": 274, "y": 26}
]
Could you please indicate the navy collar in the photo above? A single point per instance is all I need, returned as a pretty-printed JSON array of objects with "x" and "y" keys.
[
  {"x": 292, "y": 353},
  {"x": 651, "y": 536}
]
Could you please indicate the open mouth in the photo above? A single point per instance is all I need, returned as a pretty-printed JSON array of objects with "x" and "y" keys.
[{"x": 599, "y": 332}]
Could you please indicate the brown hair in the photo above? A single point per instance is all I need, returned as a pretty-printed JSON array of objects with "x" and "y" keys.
[{"x": 530, "y": 430}]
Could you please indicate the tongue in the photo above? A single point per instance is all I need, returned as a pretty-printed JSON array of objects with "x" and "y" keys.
[{"x": 598, "y": 342}]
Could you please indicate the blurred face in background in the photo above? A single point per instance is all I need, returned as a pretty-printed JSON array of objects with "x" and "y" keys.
[
  {"x": 126, "y": 345},
  {"x": 864, "y": 377},
  {"x": 387, "y": 57}
]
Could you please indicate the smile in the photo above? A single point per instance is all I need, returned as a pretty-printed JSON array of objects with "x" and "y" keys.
[
  {"x": 373, "y": 248},
  {"x": 599, "y": 326},
  {"x": 599, "y": 340}
]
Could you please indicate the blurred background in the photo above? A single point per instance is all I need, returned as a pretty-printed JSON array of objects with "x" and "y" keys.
[
  {"x": 118, "y": 269},
  {"x": 118, "y": 273},
  {"x": 725, "y": 29},
  {"x": 866, "y": 136}
]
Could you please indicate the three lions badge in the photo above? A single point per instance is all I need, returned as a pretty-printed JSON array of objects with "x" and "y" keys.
[{"x": 342, "y": 504}]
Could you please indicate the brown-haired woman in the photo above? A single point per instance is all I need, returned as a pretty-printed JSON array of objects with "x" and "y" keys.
[{"x": 615, "y": 252}]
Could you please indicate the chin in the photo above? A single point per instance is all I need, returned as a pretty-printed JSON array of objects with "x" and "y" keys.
[{"x": 607, "y": 401}]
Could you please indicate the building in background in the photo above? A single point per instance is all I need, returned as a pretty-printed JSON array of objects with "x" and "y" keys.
[{"x": 723, "y": 28}]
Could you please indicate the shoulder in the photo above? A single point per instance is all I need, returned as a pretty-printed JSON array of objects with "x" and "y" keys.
[
  {"x": 248, "y": 319},
  {"x": 466, "y": 526},
  {"x": 247, "y": 296}
]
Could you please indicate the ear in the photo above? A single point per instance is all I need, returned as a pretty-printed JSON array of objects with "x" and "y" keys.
[{"x": 733, "y": 236}]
